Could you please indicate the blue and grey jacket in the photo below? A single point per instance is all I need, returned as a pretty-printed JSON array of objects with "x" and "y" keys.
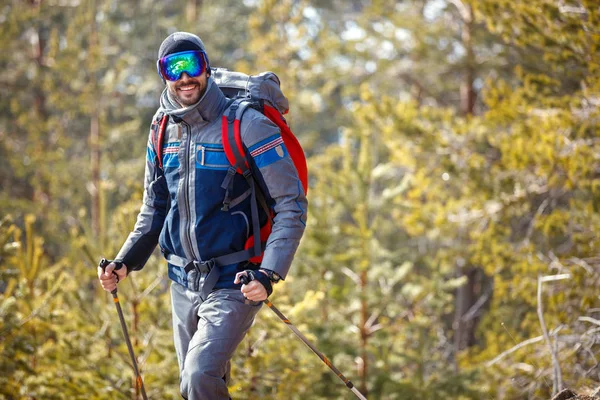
[{"x": 182, "y": 204}]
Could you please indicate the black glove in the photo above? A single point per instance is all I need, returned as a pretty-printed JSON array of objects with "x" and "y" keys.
[{"x": 252, "y": 275}]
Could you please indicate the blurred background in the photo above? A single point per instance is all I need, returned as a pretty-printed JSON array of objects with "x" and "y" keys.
[{"x": 452, "y": 247}]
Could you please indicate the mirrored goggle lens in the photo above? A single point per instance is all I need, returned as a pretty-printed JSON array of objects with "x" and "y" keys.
[{"x": 190, "y": 62}]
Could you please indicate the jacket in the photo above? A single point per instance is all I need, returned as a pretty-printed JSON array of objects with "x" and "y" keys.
[{"x": 181, "y": 209}]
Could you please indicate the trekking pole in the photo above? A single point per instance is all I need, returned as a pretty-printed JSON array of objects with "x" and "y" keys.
[
  {"x": 245, "y": 280},
  {"x": 139, "y": 383}
]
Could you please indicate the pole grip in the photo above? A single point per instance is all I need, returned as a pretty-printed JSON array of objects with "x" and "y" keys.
[
  {"x": 244, "y": 279},
  {"x": 105, "y": 263}
]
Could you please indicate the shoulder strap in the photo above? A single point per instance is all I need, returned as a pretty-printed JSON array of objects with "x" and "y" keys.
[
  {"x": 232, "y": 136},
  {"x": 233, "y": 144},
  {"x": 291, "y": 143},
  {"x": 158, "y": 138},
  {"x": 235, "y": 151}
]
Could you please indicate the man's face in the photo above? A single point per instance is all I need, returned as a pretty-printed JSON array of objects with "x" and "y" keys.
[{"x": 186, "y": 90}]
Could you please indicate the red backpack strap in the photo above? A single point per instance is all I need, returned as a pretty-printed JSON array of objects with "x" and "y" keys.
[
  {"x": 234, "y": 147},
  {"x": 158, "y": 138},
  {"x": 232, "y": 137},
  {"x": 237, "y": 156},
  {"x": 291, "y": 143}
]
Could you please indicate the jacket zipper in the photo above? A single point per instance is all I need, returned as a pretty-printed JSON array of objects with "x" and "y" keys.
[
  {"x": 204, "y": 150},
  {"x": 186, "y": 193}
]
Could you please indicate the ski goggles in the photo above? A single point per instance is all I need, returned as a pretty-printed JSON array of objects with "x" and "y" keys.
[{"x": 191, "y": 62}]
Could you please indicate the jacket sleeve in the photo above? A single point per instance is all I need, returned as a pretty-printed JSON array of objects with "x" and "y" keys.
[
  {"x": 280, "y": 178},
  {"x": 143, "y": 239}
]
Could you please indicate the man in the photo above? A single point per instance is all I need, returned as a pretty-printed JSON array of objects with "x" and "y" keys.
[{"x": 183, "y": 212}]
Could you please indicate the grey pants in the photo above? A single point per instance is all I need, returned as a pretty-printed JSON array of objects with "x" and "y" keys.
[{"x": 206, "y": 334}]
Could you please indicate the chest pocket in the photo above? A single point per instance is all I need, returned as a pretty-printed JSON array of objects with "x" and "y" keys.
[
  {"x": 211, "y": 156},
  {"x": 170, "y": 158}
]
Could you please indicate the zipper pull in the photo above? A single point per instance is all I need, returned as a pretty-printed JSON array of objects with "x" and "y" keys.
[{"x": 202, "y": 149}]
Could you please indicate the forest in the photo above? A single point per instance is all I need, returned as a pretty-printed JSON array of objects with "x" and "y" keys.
[{"x": 452, "y": 248}]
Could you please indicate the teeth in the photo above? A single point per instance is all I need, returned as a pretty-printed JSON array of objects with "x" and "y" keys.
[{"x": 191, "y": 87}]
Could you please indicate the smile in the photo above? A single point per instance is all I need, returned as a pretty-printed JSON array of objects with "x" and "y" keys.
[{"x": 187, "y": 88}]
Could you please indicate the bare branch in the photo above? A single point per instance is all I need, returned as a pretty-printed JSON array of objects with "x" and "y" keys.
[
  {"x": 552, "y": 278},
  {"x": 472, "y": 312},
  {"x": 568, "y": 9},
  {"x": 583, "y": 264},
  {"x": 462, "y": 9},
  {"x": 589, "y": 319},
  {"x": 555, "y": 262},
  {"x": 156, "y": 281},
  {"x": 102, "y": 330},
  {"x": 538, "y": 212},
  {"x": 351, "y": 274},
  {"x": 375, "y": 328},
  {"x": 261, "y": 338},
  {"x": 513, "y": 349},
  {"x": 567, "y": 339},
  {"x": 371, "y": 320}
]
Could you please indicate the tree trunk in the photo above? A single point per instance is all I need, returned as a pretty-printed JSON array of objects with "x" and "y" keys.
[
  {"x": 94, "y": 130},
  {"x": 41, "y": 191},
  {"x": 95, "y": 161},
  {"x": 465, "y": 295},
  {"x": 470, "y": 298},
  {"x": 461, "y": 305},
  {"x": 467, "y": 94},
  {"x": 191, "y": 10}
]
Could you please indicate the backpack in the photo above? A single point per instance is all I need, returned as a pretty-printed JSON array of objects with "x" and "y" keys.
[{"x": 262, "y": 93}]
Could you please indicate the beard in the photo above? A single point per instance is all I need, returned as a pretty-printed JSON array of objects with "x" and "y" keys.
[{"x": 188, "y": 91}]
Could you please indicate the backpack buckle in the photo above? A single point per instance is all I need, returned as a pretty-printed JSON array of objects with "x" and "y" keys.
[
  {"x": 228, "y": 186},
  {"x": 232, "y": 112},
  {"x": 202, "y": 267}
]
